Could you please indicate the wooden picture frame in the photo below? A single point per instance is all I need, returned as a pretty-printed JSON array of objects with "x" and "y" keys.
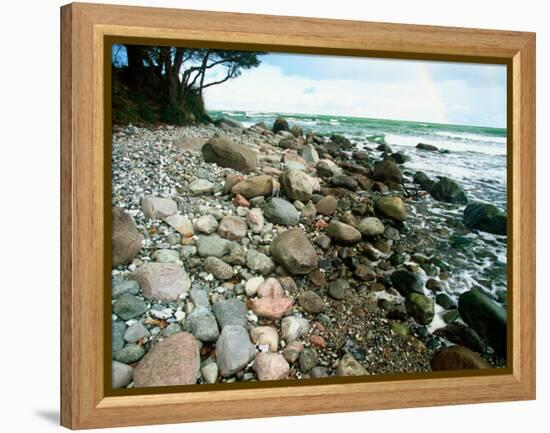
[{"x": 86, "y": 29}]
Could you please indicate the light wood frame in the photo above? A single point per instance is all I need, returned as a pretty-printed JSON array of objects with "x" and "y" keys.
[{"x": 84, "y": 400}]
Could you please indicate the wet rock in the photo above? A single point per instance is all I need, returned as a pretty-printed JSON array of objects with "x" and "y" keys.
[
  {"x": 265, "y": 336},
  {"x": 254, "y": 186},
  {"x": 425, "y": 146},
  {"x": 226, "y": 153},
  {"x": 230, "y": 312},
  {"x": 341, "y": 141},
  {"x": 121, "y": 374},
  {"x": 449, "y": 191},
  {"x": 206, "y": 224},
  {"x": 311, "y": 302},
  {"x": 387, "y": 170},
  {"x": 128, "y": 306},
  {"x": 423, "y": 180},
  {"x": 297, "y": 185},
  {"x": 292, "y": 250},
  {"x": 400, "y": 158},
  {"x": 271, "y": 366},
  {"x": 158, "y": 207},
  {"x": 293, "y": 327},
  {"x": 349, "y": 366},
  {"x": 233, "y": 350},
  {"x": 126, "y": 240},
  {"x": 485, "y": 217},
  {"x": 457, "y": 358},
  {"x": 420, "y": 307},
  {"x": 259, "y": 262},
  {"x": 486, "y": 317},
  {"x": 232, "y": 227},
  {"x": 162, "y": 281},
  {"x": 384, "y": 148},
  {"x": 445, "y": 301},
  {"x": 434, "y": 285},
  {"x": 218, "y": 268},
  {"x": 371, "y": 227},
  {"x": 462, "y": 335},
  {"x": 282, "y": 212},
  {"x": 391, "y": 207},
  {"x": 343, "y": 234},
  {"x": 173, "y": 361},
  {"x": 280, "y": 124}
]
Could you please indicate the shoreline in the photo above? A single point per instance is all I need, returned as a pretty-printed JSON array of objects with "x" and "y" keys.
[{"x": 355, "y": 315}]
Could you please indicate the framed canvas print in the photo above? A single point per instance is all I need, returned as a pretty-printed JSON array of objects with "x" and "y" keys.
[{"x": 320, "y": 215}]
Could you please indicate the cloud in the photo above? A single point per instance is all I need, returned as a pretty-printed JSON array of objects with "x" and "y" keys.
[{"x": 389, "y": 90}]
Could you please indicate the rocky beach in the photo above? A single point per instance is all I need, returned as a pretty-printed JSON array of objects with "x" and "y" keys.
[{"x": 269, "y": 251}]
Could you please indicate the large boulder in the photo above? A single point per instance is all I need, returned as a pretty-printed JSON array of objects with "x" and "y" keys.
[
  {"x": 457, "y": 358},
  {"x": 449, "y": 191},
  {"x": 387, "y": 171},
  {"x": 297, "y": 185},
  {"x": 162, "y": 281},
  {"x": 233, "y": 350},
  {"x": 485, "y": 217},
  {"x": 173, "y": 361},
  {"x": 292, "y": 250},
  {"x": 280, "y": 211},
  {"x": 126, "y": 240},
  {"x": 486, "y": 317},
  {"x": 342, "y": 233},
  {"x": 280, "y": 124},
  {"x": 406, "y": 282},
  {"x": 254, "y": 186},
  {"x": 341, "y": 141},
  {"x": 391, "y": 207},
  {"x": 226, "y": 153},
  {"x": 425, "y": 146},
  {"x": 423, "y": 180},
  {"x": 462, "y": 335}
]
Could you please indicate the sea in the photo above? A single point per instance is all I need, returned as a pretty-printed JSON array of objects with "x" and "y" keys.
[{"x": 476, "y": 159}]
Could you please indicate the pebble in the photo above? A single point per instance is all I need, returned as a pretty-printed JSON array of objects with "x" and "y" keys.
[
  {"x": 135, "y": 332},
  {"x": 252, "y": 285}
]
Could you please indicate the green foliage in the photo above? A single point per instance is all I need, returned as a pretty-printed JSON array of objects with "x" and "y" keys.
[{"x": 154, "y": 85}]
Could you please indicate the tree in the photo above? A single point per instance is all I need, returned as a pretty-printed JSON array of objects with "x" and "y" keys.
[{"x": 174, "y": 78}]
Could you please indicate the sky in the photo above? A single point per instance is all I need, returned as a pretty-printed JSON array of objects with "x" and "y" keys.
[{"x": 439, "y": 92}]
